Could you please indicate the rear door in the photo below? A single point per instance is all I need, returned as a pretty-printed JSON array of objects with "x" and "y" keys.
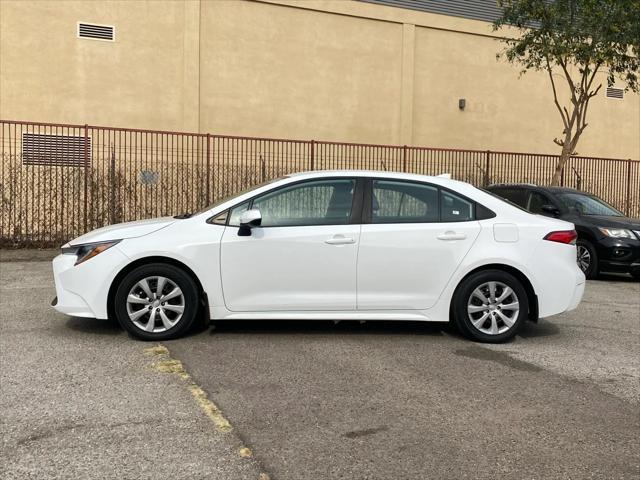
[{"x": 416, "y": 237}]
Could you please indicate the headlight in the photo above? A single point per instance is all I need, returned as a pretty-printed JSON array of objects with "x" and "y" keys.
[
  {"x": 618, "y": 233},
  {"x": 88, "y": 250}
]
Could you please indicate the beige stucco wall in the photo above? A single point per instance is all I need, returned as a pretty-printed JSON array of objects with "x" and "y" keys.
[
  {"x": 146, "y": 78},
  {"x": 323, "y": 69}
]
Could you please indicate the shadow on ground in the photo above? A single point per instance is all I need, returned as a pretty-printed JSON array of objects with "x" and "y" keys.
[
  {"x": 329, "y": 327},
  {"x": 311, "y": 327},
  {"x": 93, "y": 326},
  {"x": 614, "y": 277}
]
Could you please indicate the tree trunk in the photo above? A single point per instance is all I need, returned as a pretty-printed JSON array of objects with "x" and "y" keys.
[{"x": 562, "y": 161}]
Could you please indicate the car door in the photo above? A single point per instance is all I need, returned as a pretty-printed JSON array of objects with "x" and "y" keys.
[
  {"x": 538, "y": 200},
  {"x": 416, "y": 236},
  {"x": 302, "y": 257}
]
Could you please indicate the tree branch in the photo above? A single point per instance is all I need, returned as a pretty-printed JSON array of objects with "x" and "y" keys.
[
  {"x": 567, "y": 76},
  {"x": 555, "y": 93}
]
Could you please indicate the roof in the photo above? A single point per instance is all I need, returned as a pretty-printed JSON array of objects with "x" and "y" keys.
[
  {"x": 488, "y": 200},
  {"x": 486, "y": 10},
  {"x": 442, "y": 179},
  {"x": 549, "y": 188}
]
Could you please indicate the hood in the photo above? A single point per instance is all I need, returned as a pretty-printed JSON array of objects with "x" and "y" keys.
[
  {"x": 124, "y": 230},
  {"x": 613, "y": 221}
]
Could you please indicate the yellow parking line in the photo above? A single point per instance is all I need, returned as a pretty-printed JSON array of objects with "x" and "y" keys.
[{"x": 164, "y": 363}]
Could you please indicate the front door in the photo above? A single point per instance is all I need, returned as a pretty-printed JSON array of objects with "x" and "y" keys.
[
  {"x": 417, "y": 236},
  {"x": 302, "y": 257}
]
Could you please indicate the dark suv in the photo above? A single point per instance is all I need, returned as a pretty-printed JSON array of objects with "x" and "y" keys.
[{"x": 607, "y": 240}]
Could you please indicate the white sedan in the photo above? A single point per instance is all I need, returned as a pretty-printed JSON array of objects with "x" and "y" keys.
[{"x": 332, "y": 245}]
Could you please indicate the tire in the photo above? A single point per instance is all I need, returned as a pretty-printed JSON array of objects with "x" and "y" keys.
[
  {"x": 587, "y": 252},
  {"x": 171, "y": 318},
  {"x": 493, "y": 322}
]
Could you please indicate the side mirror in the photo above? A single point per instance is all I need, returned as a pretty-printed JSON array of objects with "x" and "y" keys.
[
  {"x": 551, "y": 210},
  {"x": 248, "y": 220}
]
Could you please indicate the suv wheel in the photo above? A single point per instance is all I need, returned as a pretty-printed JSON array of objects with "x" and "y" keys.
[
  {"x": 490, "y": 306},
  {"x": 156, "y": 302},
  {"x": 587, "y": 258}
]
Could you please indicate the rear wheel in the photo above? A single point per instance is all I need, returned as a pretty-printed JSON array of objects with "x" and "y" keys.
[
  {"x": 587, "y": 258},
  {"x": 156, "y": 302},
  {"x": 490, "y": 306}
]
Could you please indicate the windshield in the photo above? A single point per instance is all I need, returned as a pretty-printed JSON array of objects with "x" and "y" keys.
[
  {"x": 588, "y": 205},
  {"x": 237, "y": 194}
]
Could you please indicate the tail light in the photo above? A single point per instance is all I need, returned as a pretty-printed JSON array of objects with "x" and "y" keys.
[{"x": 563, "y": 236}]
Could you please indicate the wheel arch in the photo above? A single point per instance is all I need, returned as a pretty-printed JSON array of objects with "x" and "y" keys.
[
  {"x": 526, "y": 283},
  {"x": 146, "y": 261},
  {"x": 586, "y": 233}
]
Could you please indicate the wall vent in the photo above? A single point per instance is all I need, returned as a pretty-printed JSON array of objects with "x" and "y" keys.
[
  {"x": 96, "y": 32},
  {"x": 55, "y": 150},
  {"x": 615, "y": 92}
]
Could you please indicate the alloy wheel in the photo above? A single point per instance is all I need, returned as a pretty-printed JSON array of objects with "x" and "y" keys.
[
  {"x": 155, "y": 304},
  {"x": 493, "y": 308},
  {"x": 583, "y": 258}
]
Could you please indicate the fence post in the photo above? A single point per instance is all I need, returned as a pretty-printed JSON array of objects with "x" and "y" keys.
[
  {"x": 112, "y": 189},
  {"x": 86, "y": 178},
  {"x": 628, "y": 212},
  {"x": 487, "y": 169},
  {"x": 404, "y": 158},
  {"x": 208, "y": 169},
  {"x": 312, "y": 155}
]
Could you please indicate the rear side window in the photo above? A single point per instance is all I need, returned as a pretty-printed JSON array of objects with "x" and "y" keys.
[
  {"x": 403, "y": 202},
  {"x": 397, "y": 201},
  {"x": 514, "y": 195},
  {"x": 454, "y": 208}
]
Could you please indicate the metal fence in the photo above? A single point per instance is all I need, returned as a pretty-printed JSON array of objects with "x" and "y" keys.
[{"x": 59, "y": 181}]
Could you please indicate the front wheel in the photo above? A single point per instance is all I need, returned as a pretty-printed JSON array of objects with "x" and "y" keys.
[
  {"x": 156, "y": 302},
  {"x": 490, "y": 306},
  {"x": 587, "y": 258}
]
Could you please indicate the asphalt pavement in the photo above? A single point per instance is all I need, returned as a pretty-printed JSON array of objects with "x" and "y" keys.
[{"x": 81, "y": 399}]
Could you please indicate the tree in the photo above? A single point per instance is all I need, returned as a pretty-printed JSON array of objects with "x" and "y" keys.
[{"x": 580, "y": 44}]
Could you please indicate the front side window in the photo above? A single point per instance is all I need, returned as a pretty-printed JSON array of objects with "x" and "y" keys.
[
  {"x": 588, "y": 205},
  {"x": 403, "y": 202},
  {"x": 536, "y": 202},
  {"x": 318, "y": 202}
]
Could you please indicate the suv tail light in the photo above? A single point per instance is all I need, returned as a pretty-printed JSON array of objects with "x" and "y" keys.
[{"x": 563, "y": 236}]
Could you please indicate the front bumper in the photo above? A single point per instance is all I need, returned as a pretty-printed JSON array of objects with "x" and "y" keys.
[
  {"x": 82, "y": 290},
  {"x": 619, "y": 255}
]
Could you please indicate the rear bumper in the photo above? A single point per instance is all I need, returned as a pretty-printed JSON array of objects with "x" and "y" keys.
[
  {"x": 556, "y": 278},
  {"x": 578, "y": 292}
]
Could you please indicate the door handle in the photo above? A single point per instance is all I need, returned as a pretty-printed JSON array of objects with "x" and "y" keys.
[
  {"x": 339, "y": 240},
  {"x": 451, "y": 236}
]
